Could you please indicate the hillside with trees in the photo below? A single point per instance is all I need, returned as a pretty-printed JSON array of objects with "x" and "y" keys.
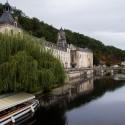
[{"x": 40, "y": 29}]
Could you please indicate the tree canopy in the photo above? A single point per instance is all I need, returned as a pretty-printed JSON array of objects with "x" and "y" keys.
[{"x": 25, "y": 65}]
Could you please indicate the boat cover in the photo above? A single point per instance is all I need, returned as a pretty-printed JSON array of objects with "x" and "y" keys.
[{"x": 10, "y": 101}]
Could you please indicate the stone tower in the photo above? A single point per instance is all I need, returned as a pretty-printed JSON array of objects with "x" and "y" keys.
[{"x": 61, "y": 38}]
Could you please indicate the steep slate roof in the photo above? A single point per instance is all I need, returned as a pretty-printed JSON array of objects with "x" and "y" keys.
[
  {"x": 89, "y": 50},
  {"x": 84, "y": 50},
  {"x": 33, "y": 37},
  {"x": 7, "y": 18},
  {"x": 7, "y": 4},
  {"x": 61, "y": 30}
]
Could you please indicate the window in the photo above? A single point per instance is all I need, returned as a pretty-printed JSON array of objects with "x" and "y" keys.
[{"x": 15, "y": 23}]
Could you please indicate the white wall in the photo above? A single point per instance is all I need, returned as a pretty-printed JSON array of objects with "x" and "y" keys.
[
  {"x": 64, "y": 56},
  {"x": 7, "y": 28}
]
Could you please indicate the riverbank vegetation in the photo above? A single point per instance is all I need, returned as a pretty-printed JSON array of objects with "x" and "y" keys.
[
  {"x": 26, "y": 65},
  {"x": 40, "y": 29}
]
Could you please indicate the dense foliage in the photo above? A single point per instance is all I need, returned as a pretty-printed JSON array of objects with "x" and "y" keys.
[
  {"x": 1, "y": 9},
  {"x": 25, "y": 65},
  {"x": 40, "y": 29},
  {"x": 118, "y": 53}
]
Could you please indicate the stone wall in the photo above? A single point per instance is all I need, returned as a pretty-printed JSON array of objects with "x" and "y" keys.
[
  {"x": 7, "y": 28},
  {"x": 78, "y": 73}
]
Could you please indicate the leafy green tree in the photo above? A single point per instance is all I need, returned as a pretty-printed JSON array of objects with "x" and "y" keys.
[
  {"x": 17, "y": 12},
  {"x": 95, "y": 59},
  {"x": 1, "y": 9},
  {"x": 108, "y": 63},
  {"x": 25, "y": 65}
]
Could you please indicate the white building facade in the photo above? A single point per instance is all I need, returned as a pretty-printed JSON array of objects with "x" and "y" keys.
[{"x": 70, "y": 55}]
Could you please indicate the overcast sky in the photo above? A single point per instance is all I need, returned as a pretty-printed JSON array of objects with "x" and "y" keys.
[{"x": 103, "y": 20}]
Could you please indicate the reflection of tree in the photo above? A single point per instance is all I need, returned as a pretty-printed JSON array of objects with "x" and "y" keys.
[
  {"x": 52, "y": 116},
  {"x": 55, "y": 115}
]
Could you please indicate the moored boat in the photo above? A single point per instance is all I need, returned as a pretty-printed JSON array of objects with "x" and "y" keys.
[{"x": 13, "y": 107}]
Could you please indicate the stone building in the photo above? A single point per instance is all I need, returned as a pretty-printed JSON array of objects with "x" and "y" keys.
[
  {"x": 81, "y": 57},
  {"x": 9, "y": 24},
  {"x": 70, "y": 55}
]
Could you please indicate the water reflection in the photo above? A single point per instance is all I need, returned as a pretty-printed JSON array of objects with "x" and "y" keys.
[
  {"x": 105, "y": 105},
  {"x": 25, "y": 119},
  {"x": 63, "y": 95},
  {"x": 79, "y": 103}
]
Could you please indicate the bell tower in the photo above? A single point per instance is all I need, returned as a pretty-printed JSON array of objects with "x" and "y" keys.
[
  {"x": 7, "y": 23},
  {"x": 61, "y": 38},
  {"x": 7, "y": 7}
]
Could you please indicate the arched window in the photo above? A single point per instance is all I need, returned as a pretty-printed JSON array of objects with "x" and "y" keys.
[{"x": 15, "y": 23}]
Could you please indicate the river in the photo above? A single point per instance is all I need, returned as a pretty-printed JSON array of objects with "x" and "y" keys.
[{"x": 93, "y": 101}]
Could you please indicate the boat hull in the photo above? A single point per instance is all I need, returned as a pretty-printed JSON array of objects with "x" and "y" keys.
[{"x": 14, "y": 117}]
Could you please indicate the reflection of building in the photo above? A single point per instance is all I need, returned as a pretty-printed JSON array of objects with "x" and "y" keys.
[
  {"x": 70, "y": 94},
  {"x": 70, "y": 55},
  {"x": 85, "y": 87}
]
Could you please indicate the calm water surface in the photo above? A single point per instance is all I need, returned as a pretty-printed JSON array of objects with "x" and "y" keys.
[{"x": 91, "y": 102}]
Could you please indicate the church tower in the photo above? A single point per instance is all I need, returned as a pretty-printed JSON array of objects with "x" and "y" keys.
[
  {"x": 61, "y": 38},
  {"x": 7, "y": 23},
  {"x": 7, "y": 7}
]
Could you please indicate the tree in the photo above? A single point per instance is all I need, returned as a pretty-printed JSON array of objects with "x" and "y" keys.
[
  {"x": 108, "y": 63},
  {"x": 1, "y": 9},
  {"x": 25, "y": 65},
  {"x": 95, "y": 59}
]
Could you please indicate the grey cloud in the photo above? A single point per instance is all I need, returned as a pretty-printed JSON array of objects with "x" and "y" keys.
[{"x": 100, "y": 19}]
